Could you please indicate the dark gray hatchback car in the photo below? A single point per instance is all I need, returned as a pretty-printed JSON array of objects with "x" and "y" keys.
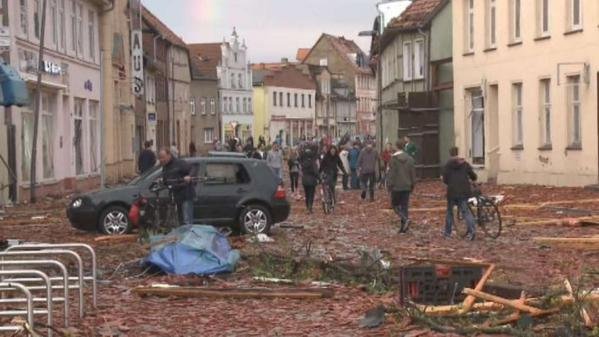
[{"x": 235, "y": 192}]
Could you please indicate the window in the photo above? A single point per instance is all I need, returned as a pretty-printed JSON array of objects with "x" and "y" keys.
[
  {"x": 208, "y": 135},
  {"x": 470, "y": 25},
  {"x": 93, "y": 136},
  {"x": 47, "y": 120},
  {"x": 288, "y": 100},
  {"x": 477, "y": 127},
  {"x": 516, "y": 16},
  {"x": 575, "y": 14},
  {"x": 61, "y": 24},
  {"x": 518, "y": 130},
  {"x": 226, "y": 174},
  {"x": 245, "y": 105},
  {"x": 310, "y": 101},
  {"x": 281, "y": 99},
  {"x": 274, "y": 98},
  {"x": 203, "y": 107},
  {"x": 233, "y": 81},
  {"x": 419, "y": 59},
  {"x": 235, "y": 56},
  {"x": 250, "y": 108},
  {"x": 37, "y": 25},
  {"x": 295, "y": 100},
  {"x": 192, "y": 106},
  {"x": 24, "y": 23},
  {"x": 545, "y": 113},
  {"x": 54, "y": 19},
  {"x": 73, "y": 26},
  {"x": 224, "y": 108},
  {"x": 407, "y": 61},
  {"x": 240, "y": 80},
  {"x": 212, "y": 106},
  {"x": 26, "y": 142},
  {"x": 491, "y": 23},
  {"x": 80, "y": 29},
  {"x": 237, "y": 107},
  {"x": 303, "y": 100},
  {"x": 543, "y": 18},
  {"x": 78, "y": 135},
  {"x": 92, "y": 34},
  {"x": 574, "y": 110}
]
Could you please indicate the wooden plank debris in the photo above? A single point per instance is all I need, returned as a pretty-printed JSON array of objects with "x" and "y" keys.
[
  {"x": 584, "y": 243},
  {"x": 115, "y": 239},
  {"x": 187, "y": 292},
  {"x": 470, "y": 299}
]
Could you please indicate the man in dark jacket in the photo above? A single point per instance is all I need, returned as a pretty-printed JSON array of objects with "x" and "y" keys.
[
  {"x": 178, "y": 173},
  {"x": 309, "y": 167},
  {"x": 353, "y": 155},
  {"x": 401, "y": 180},
  {"x": 330, "y": 165},
  {"x": 367, "y": 167},
  {"x": 457, "y": 175},
  {"x": 147, "y": 158}
]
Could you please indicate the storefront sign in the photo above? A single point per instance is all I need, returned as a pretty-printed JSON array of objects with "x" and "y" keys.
[
  {"x": 151, "y": 117},
  {"x": 52, "y": 68}
]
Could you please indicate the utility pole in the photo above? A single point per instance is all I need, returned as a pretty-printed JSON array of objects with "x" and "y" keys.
[{"x": 36, "y": 107}]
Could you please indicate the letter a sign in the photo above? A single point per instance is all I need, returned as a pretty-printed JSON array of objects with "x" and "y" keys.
[{"x": 138, "y": 63}]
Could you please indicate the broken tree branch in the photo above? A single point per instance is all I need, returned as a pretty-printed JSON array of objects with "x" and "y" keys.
[
  {"x": 503, "y": 301},
  {"x": 469, "y": 301}
]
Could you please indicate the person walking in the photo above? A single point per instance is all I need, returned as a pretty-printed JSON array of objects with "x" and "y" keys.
[
  {"x": 353, "y": 156},
  {"x": 401, "y": 181},
  {"x": 309, "y": 167},
  {"x": 458, "y": 175},
  {"x": 294, "y": 170},
  {"x": 385, "y": 162},
  {"x": 179, "y": 173},
  {"x": 330, "y": 165},
  {"x": 410, "y": 147},
  {"x": 344, "y": 155},
  {"x": 274, "y": 160},
  {"x": 147, "y": 158},
  {"x": 367, "y": 162}
]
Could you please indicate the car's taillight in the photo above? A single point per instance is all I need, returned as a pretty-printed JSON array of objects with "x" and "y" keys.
[{"x": 280, "y": 194}]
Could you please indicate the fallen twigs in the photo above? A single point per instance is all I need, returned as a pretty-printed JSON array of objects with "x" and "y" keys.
[{"x": 590, "y": 243}]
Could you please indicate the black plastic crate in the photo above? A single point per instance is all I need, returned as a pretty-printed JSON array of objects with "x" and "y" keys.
[{"x": 437, "y": 284}]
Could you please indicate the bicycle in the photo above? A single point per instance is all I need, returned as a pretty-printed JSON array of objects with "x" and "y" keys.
[
  {"x": 485, "y": 210},
  {"x": 327, "y": 193}
]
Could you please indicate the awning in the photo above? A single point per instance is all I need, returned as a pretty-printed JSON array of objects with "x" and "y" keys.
[{"x": 14, "y": 89}]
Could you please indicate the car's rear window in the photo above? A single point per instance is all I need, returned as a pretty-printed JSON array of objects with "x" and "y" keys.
[{"x": 226, "y": 174}]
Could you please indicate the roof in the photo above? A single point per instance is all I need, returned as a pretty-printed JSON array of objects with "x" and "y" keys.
[
  {"x": 301, "y": 54},
  {"x": 289, "y": 76},
  {"x": 344, "y": 48},
  {"x": 417, "y": 15},
  {"x": 162, "y": 29},
  {"x": 206, "y": 56}
]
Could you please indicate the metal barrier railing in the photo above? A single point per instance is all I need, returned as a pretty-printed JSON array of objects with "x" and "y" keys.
[
  {"x": 47, "y": 263},
  {"x": 29, "y": 301},
  {"x": 87, "y": 248},
  {"x": 79, "y": 285},
  {"x": 38, "y": 274}
]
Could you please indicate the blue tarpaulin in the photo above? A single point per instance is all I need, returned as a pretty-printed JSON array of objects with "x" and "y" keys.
[{"x": 193, "y": 250}]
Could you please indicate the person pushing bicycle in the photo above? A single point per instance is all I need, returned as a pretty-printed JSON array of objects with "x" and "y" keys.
[
  {"x": 457, "y": 175},
  {"x": 178, "y": 170}
]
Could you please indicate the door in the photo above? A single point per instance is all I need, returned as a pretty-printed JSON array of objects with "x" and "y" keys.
[{"x": 217, "y": 197}]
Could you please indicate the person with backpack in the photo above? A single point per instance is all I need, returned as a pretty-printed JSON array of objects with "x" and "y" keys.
[
  {"x": 458, "y": 176},
  {"x": 309, "y": 167},
  {"x": 401, "y": 181}
]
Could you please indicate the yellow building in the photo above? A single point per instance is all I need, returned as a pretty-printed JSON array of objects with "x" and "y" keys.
[
  {"x": 261, "y": 117},
  {"x": 525, "y": 89}
]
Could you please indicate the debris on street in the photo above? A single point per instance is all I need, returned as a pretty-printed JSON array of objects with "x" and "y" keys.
[{"x": 293, "y": 293}]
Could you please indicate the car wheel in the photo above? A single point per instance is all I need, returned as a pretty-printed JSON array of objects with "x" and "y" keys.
[
  {"x": 255, "y": 219},
  {"x": 114, "y": 221}
]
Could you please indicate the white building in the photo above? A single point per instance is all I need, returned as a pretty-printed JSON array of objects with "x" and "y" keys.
[
  {"x": 235, "y": 89},
  {"x": 68, "y": 155}
]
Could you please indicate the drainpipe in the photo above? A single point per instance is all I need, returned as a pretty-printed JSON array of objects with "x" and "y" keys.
[{"x": 103, "y": 105}]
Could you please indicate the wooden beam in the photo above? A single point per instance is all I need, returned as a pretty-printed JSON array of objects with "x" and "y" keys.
[
  {"x": 188, "y": 292},
  {"x": 469, "y": 301},
  {"x": 114, "y": 239},
  {"x": 502, "y": 301}
]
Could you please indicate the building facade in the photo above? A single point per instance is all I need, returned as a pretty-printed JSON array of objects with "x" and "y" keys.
[
  {"x": 68, "y": 140},
  {"x": 349, "y": 64},
  {"x": 205, "y": 111},
  {"x": 235, "y": 89},
  {"x": 416, "y": 77},
  {"x": 286, "y": 103},
  {"x": 526, "y": 90}
]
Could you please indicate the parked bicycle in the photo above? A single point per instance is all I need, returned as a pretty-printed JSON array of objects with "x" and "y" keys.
[
  {"x": 485, "y": 210},
  {"x": 327, "y": 193}
]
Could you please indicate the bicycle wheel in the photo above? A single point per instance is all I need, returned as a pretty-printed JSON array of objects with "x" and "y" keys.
[{"x": 490, "y": 219}]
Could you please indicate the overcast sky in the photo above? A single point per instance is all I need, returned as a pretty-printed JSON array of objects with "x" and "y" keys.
[{"x": 272, "y": 28}]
